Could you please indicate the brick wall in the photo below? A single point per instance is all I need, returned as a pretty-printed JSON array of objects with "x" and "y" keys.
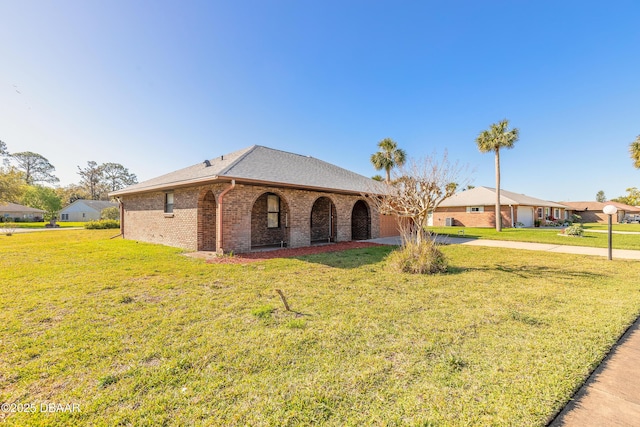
[
  {"x": 190, "y": 225},
  {"x": 462, "y": 218}
]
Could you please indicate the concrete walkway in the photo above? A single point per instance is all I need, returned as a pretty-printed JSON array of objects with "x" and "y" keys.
[
  {"x": 580, "y": 250},
  {"x": 611, "y": 395},
  {"x": 32, "y": 230}
]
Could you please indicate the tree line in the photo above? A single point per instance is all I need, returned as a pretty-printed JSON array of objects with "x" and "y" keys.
[{"x": 26, "y": 178}]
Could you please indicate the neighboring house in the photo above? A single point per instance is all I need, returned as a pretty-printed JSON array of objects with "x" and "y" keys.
[
  {"x": 15, "y": 212},
  {"x": 476, "y": 208},
  {"x": 252, "y": 198},
  {"x": 592, "y": 211},
  {"x": 85, "y": 210}
]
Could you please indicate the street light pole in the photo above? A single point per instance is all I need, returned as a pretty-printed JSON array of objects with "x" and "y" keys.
[{"x": 610, "y": 210}]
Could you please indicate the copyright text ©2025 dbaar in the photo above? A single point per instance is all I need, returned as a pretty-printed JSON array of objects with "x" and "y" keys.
[{"x": 39, "y": 407}]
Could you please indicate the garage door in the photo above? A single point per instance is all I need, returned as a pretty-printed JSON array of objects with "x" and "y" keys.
[{"x": 525, "y": 215}]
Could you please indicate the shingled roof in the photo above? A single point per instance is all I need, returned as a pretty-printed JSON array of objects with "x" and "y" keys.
[
  {"x": 261, "y": 165},
  {"x": 486, "y": 196},
  {"x": 14, "y": 207},
  {"x": 599, "y": 206}
]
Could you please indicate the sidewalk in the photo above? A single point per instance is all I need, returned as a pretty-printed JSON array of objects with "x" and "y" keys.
[
  {"x": 32, "y": 230},
  {"x": 580, "y": 250},
  {"x": 611, "y": 395}
]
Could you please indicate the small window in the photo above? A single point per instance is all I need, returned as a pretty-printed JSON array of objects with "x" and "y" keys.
[
  {"x": 168, "y": 202},
  {"x": 540, "y": 213},
  {"x": 273, "y": 211},
  {"x": 65, "y": 217},
  {"x": 82, "y": 214},
  {"x": 556, "y": 213},
  {"x": 475, "y": 209}
]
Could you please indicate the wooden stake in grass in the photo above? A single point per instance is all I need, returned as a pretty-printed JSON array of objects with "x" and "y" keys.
[{"x": 284, "y": 300}]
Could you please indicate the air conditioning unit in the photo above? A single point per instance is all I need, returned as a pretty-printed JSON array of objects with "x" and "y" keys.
[{"x": 448, "y": 222}]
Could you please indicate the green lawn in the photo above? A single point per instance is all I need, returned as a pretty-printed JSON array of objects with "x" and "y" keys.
[
  {"x": 65, "y": 224},
  {"x": 137, "y": 334},
  {"x": 614, "y": 227},
  {"x": 550, "y": 235}
]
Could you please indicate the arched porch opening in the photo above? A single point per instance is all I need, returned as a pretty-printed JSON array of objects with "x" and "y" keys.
[
  {"x": 269, "y": 221},
  {"x": 207, "y": 222},
  {"x": 323, "y": 221},
  {"x": 360, "y": 221}
]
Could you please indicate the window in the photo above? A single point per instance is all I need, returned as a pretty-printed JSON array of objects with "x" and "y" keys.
[
  {"x": 64, "y": 217},
  {"x": 82, "y": 214},
  {"x": 475, "y": 209},
  {"x": 273, "y": 211},
  {"x": 168, "y": 202},
  {"x": 556, "y": 213},
  {"x": 540, "y": 213}
]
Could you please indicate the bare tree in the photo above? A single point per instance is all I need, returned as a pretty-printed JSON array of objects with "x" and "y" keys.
[{"x": 417, "y": 190}]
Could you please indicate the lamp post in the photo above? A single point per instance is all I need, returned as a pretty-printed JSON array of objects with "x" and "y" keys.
[{"x": 610, "y": 210}]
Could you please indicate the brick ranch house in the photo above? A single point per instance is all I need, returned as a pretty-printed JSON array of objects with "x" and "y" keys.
[
  {"x": 252, "y": 198},
  {"x": 476, "y": 208},
  {"x": 593, "y": 211}
]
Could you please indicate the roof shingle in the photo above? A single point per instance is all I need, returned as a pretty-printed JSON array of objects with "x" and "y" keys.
[{"x": 261, "y": 164}]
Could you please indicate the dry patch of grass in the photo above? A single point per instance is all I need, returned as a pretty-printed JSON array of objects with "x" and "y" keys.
[{"x": 139, "y": 335}]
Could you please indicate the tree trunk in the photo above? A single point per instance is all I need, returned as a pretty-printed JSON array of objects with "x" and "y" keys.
[{"x": 498, "y": 213}]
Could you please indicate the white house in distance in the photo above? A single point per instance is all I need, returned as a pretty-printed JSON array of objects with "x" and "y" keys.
[{"x": 85, "y": 210}]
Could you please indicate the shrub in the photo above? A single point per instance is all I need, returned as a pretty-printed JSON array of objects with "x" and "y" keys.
[
  {"x": 110, "y": 213},
  {"x": 576, "y": 230},
  {"x": 102, "y": 224},
  {"x": 425, "y": 258}
]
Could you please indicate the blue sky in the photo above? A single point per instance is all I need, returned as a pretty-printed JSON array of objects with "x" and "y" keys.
[{"x": 161, "y": 85}]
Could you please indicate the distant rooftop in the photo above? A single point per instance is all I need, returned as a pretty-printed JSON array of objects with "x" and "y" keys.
[
  {"x": 14, "y": 207},
  {"x": 486, "y": 196}
]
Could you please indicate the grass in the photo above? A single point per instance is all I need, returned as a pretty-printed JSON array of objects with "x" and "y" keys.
[
  {"x": 550, "y": 235},
  {"x": 615, "y": 227},
  {"x": 65, "y": 224},
  {"x": 137, "y": 334}
]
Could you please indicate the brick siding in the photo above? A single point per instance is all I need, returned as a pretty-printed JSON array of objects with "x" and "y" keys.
[
  {"x": 190, "y": 226},
  {"x": 462, "y": 218}
]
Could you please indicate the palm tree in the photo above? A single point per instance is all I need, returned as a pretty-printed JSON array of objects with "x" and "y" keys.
[
  {"x": 634, "y": 149},
  {"x": 498, "y": 136},
  {"x": 388, "y": 157}
]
